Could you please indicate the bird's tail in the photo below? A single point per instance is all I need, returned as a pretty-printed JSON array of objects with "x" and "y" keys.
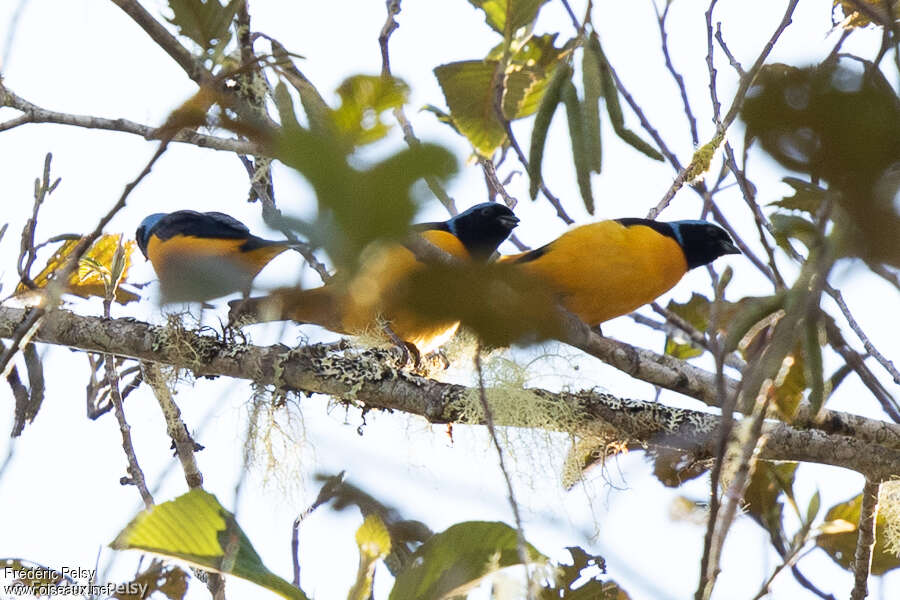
[{"x": 317, "y": 306}]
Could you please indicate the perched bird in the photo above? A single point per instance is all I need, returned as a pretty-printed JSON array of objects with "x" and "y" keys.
[
  {"x": 358, "y": 303},
  {"x": 609, "y": 268},
  {"x": 198, "y": 256}
]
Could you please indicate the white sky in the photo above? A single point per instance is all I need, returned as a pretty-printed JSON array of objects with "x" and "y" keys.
[{"x": 60, "y": 498}]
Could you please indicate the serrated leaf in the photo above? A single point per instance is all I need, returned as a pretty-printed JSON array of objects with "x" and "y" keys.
[
  {"x": 469, "y": 88},
  {"x": 808, "y": 197},
  {"x": 363, "y": 100},
  {"x": 787, "y": 227},
  {"x": 507, "y": 16},
  {"x": 87, "y": 282},
  {"x": 840, "y": 532},
  {"x": 547, "y": 108},
  {"x": 455, "y": 560},
  {"x": 196, "y": 528},
  {"x": 206, "y": 22},
  {"x": 580, "y": 155}
]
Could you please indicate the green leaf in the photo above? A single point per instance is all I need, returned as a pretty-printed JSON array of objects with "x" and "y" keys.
[
  {"x": 507, "y": 16},
  {"x": 613, "y": 108},
  {"x": 787, "y": 227},
  {"x": 363, "y": 100},
  {"x": 196, "y": 528},
  {"x": 812, "y": 509},
  {"x": 547, "y": 108},
  {"x": 807, "y": 196},
  {"x": 812, "y": 353},
  {"x": 455, "y": 560},
  {"x": 579, "y": 144},
  {"x": 285, "y": 106},
  {"x": 569, "y": 583},
  {"x": 752, "y": 312},
  {"x": 838, "y": 121},
  {"x": 469, "y": 88},
  {"x": 768, "y": 484},
  {"x": 840, "y": 533},
  {"x": 318, "y": 113},
  {"x": 593, "y": 89},
  {"x": 356, "y": 206},
  {"x": 529, "y": 73},
  {"x": 206, "y": 22},
  {"x": 374, "y": 543}
]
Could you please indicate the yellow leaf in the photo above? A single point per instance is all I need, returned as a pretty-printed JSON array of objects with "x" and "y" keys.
[{"x": 94, "y": 269}]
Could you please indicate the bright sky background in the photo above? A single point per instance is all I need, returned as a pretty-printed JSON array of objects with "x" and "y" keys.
[{"x": 60, "y": 497}]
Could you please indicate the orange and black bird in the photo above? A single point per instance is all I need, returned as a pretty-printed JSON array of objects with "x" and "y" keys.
[
  {"x": 198, "y": 256},
  {"x": 607, "y": 269},
  {"x": 371, "y": 295}
]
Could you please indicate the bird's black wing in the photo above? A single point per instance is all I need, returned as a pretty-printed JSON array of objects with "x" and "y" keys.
[{"x": 203, "y": 225}]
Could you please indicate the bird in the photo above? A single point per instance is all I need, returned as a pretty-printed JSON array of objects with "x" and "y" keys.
[
  {"x": 203, "y": 255},
  {"x": 372, "y": 295},
  {"x": 606, "y": 269}
]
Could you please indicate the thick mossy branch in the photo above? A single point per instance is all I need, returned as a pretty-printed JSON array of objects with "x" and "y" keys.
[{"x": 869, "y": 446}]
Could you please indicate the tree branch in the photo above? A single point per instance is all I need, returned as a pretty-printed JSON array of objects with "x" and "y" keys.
[
  {"x": 368, "y": 378},
  {"x": 36, "y": 114},
  {"x": 865, "y": 542}
]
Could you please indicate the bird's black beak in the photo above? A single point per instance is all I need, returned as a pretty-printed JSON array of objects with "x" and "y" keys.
[
  {"x": 728, "y": 247},
  {"x": 509, "y": 221}
]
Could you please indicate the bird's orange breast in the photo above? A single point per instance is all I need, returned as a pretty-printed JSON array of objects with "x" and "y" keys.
[
  {"x": 192, "y": 267},
  {"x": 604, "y": 270}
]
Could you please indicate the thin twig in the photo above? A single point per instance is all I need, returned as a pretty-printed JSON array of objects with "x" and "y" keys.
[
  {"x": 740, "y": 95},
  {"x": 511, "y": 496},
  {"x": 711, "y": 68},
  {"x": 409, "y": 135},
  {"x": 28, "y": 252},
  {"x": 55, "y": 289},
  {"x": 679, "y": 80},
  {"x": 135, "y": 474},
  {"x": 762, "y": 223},
  {"x": 855, "y": 361},
  {"x": 865, "y": 541},
  {"x": 185, "y": 446},
  {"x": 721, "y": 520},
  {"x": 676, "y": 324},
  {"x": 854, "y": 325},
  {"x": 731, "y": 59},
  {"x": 390, "y": 24}
]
